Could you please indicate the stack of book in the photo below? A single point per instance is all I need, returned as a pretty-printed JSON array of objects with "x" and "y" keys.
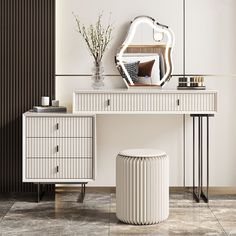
[{"x": 49, "y": 109}]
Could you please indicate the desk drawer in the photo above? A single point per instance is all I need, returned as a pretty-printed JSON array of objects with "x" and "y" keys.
[
  {"x": 145, "y": 102},
  {"x": 126, "y": 102},
  {"x": 59, "y": 147},
  {"x": 49, "y": 168},
  {"x": 59, "y": 126},
  {"x": 198, "y": 102}
]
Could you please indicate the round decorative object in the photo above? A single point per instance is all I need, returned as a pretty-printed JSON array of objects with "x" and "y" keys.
[{"x": 142, "y": 186}]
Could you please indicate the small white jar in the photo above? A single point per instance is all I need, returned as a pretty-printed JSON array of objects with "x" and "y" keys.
[{"x": 45, "y": 101}]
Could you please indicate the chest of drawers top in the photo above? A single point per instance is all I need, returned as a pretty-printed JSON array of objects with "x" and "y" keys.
[{"x": 165, "y": 101}]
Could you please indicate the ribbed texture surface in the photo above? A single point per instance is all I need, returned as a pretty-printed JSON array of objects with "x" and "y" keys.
[
  {"x": 142, "y": 189},
  {"x": 58, "y": 148},
  {"x": 59, "y": 127},
  {"x": 151, "y": 102},
  {"x": 46, "y": 168},
  {"x": 27, "y": 62}
]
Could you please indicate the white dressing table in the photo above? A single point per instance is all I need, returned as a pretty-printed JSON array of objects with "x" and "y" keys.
[
  {"x": 61, "y": 148},
  {"x": 199, "y": 104},
  {"x": 152, "y": 101}
]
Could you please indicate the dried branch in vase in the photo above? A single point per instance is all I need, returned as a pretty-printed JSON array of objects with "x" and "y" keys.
[{"x": 96, "y": 36}]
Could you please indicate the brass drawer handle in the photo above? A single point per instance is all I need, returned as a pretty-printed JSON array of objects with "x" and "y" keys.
[
  {"x": 108, "y": 102},
  {"x": 57, "y": 148},
  {"x": 57, "y": 169},
  {"x": 57, "y": 125}
]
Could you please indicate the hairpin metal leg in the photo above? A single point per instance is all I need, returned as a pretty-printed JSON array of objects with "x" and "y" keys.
[
  {"x": 195, "y": 196},
  {"x": 205, "y": 196},
  {"x": 82, "y": 192},
  {"x": 200, "y": 157},
  {"x": 208, "y": 157},
  {"x": 198, "y": 192},
  {"x": 193, "y": 155},
  {"x": 197, "y": 189},
  {"x": 39, "y": 192}
]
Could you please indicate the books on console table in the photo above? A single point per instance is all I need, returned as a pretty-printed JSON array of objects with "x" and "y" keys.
[{"x": 49, "y": 109}]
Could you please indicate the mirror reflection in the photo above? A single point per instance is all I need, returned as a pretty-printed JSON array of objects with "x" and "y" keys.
[{"x": 144, "y": 58}]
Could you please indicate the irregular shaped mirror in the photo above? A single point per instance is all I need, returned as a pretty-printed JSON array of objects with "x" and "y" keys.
[{"x": 144, "y": 58}]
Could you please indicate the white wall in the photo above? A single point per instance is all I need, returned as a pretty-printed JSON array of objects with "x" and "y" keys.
[
  {"x": 211, "y": 49},
  {"x": 71, "y": 52},
  {"x": 155, "y": 131},
  {"x": 211, "y": 36},
  {"x": 72, "y": 57}
]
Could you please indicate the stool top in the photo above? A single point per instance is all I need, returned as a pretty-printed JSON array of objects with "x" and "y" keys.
[{"x": 142, "y": 152}]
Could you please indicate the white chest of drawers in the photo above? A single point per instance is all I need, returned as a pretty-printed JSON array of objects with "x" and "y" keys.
[
  {"x": 58, "y": 148},
  {"x": 145, "y": 101}
]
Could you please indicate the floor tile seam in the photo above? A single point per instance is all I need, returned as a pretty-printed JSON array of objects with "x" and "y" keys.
[
  {"x": 218, "y": 221},
  {"x": 6, "y": 212}
]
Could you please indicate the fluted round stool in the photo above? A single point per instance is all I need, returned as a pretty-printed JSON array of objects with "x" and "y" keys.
[{"x": 142, "y": 186}]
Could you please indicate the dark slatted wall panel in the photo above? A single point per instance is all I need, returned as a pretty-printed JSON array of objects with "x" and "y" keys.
[{"x": 27, "y": 68}]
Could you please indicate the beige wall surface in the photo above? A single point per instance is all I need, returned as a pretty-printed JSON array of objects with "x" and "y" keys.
[{"x": 203, "y": 55}]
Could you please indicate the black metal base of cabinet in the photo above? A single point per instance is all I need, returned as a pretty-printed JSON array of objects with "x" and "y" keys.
[
  {"x": 41, "y": 191},
  {"x": 82, "y": 193},
  {"x": 198, "y": 192}
]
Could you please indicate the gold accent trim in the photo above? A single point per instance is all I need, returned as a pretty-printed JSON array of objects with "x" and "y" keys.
[
  {"x": 212, "y": 190},
  {"x": 147, "y": 45}
]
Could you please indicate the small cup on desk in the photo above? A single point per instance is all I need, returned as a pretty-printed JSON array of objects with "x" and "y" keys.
[
  {"x": 45, "y": 101},
  {"x": 55, "y": 103}
]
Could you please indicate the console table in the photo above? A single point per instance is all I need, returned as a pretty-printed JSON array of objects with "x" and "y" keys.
[
  {"x": 61, "y": 148},
  {"x": 199, "y": 104}
]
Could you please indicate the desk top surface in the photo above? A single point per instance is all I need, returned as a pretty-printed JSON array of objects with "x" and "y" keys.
[{"x": 161, "y": 90}]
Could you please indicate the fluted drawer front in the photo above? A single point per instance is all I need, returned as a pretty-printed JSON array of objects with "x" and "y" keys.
[
  {"x": 59, "y": 127},
  {"x": 59, "y": 147},
  {"x": 145, "y": 102},
  {"x": 49, "y": 168},
  {"x": 197, "y": 102},
  {"x": 126, "y": 102},
  {"x": 142, "y": 189}
]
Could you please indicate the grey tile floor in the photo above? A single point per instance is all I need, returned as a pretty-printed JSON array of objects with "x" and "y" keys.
[{"x": 62, "y": 214}]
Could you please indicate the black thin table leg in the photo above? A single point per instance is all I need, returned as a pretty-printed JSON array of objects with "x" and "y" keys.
[
  {"x": 198, "y": 191},
  {"x": 199, "y": 157},
  {"x": 84, "y": 189},
  {"x": 38, "y": 192},
  {"x": 208, "y": 157},
  {"x": 201, "y": 154},
  {"x": 196, "y": 195},
  {"x": 82, "y": 193},
  {"x": 193, "y": 155},
  {"x": 205, "y": 197}
]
